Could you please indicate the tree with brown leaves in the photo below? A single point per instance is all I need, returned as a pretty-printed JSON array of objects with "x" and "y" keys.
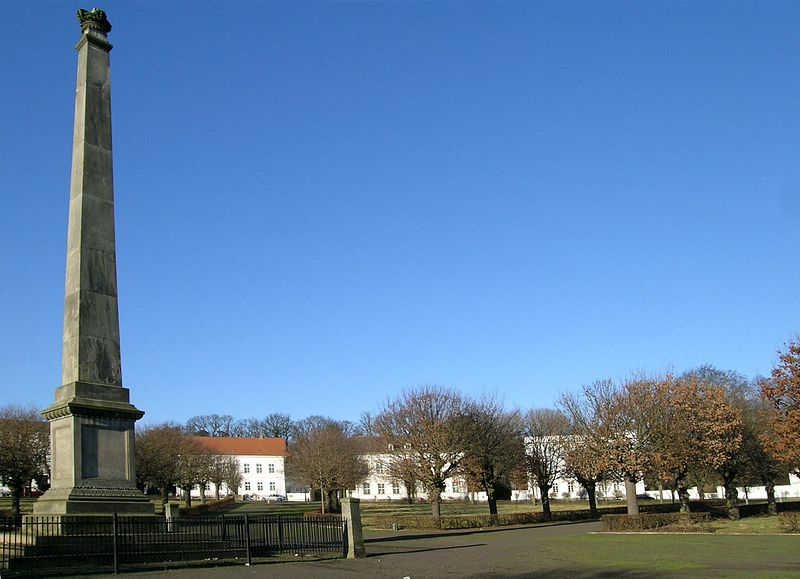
[
  {"x": 329, "y": 459},
  {"x": 24, "y": 448},
  {"x": 705, "y": 434},
  {"x": 158, "y": 449},
  {"x": 422, "y": 427},
  {"x": 782, "y": 391},
  {"x": 585, "y": 447}
]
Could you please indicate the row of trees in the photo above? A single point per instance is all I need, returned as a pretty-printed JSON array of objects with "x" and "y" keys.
[
  {"x": 275, "y": 425},
  {"x": 703, "y": 426},
  {"x": 166, "y": 457}
]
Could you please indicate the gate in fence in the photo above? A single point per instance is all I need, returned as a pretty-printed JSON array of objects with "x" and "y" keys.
[{"x": 39, "y": 545}]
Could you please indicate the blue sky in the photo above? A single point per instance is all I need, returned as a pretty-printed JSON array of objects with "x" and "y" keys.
[{"x": 321, "y": 204}]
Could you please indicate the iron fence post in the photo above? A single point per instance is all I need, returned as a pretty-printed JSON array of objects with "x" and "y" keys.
[
  {"x": 114, "y": 533},
  {"x": 247, "y": 538}
]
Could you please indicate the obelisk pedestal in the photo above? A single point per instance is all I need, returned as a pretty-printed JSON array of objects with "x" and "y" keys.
[{"x": 92, "y": 420}]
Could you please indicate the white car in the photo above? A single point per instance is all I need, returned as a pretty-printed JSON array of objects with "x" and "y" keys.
[{"x": 275, "y": 497}]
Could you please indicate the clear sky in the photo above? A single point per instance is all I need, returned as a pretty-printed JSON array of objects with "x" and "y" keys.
[{"x": 321, "y": 204}]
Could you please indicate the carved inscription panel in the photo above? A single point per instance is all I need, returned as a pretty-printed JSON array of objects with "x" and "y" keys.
[{"x": 104, "y": 453}]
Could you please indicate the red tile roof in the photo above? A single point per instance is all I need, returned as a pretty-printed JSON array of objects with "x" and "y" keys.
[{"x": 232, "y": 445}]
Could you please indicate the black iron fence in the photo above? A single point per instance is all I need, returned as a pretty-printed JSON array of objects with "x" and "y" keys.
[{"x": 65, "y": 544}]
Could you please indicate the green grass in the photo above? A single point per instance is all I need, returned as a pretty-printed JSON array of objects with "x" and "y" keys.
[
  {"x": 370, "y": 510},
  {"x": 685, "y": 555},
  {"x": 761, "y": 525},
  {"x": 26, "y": 506}
]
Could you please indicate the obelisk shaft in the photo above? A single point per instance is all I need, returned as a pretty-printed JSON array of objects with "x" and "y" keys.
[
  {"x": 91, "y": 351},
  {"x": 92, "y": 420}
]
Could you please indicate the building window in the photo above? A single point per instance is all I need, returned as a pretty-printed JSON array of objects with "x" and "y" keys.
[
  {"x": 365, "y": 488},
  {"x": 208, "y": 486},
  {"x": 555, "y": 487},
  {"x": 247, "y": 486},
  {"x": 260, "y": 486},
  {"x": 379, "y": 469},
  {"x": 395, "y": 488},
  {"x": 246, "y": 468},
  {"x": 271, "y": 468},
  {"x": 458, "y": 486},
  {"x": 258, "y": 468},
  {"x": 571, "y": 487},
  {"x": 381, "y": 489},
  {"x": 272, "y": 486}
]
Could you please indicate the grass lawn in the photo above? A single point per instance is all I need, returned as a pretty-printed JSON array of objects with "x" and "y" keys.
[
  {"x": 370, "y": 510},
  {"x": 26, "y": 506},
  {"x": 761, "y": 525},
  {"x": 687, "y": 555}
]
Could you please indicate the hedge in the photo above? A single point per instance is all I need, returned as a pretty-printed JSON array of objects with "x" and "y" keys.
[
  {"x": 677, "y": 522},
  {"x": 475, "y": 521},
  {"x": 789, "y": 522}
]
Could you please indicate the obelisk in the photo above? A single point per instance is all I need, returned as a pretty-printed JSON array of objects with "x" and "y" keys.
[{"x": 92, "y": 419}]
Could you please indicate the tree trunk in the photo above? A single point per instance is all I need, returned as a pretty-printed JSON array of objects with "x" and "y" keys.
[
  {"x": 772, "y": 508},
  {"x": 545, "y": 492},
  {"x": 731, "y": 499},
  {"x": 591, "y": 492},
  {"x": 16, "y": 496},
  {"x": 187, "y": 497},
  {"x": 683, "y": 493},
  {"x": 630, "y": 496},
  {"x": 322, "y": 498},
  {"x": 436, "y": 502},
  {"x": 202, "y": 488},
  {"x": 410, "y": 490},
  {"x": 164, "y": 495},
  {"x": 492, "y": 501},
  {"x": 334, "y": 506},
  {"x": 216, "y": 490}
]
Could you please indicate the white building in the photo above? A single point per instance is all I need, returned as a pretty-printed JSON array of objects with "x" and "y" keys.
[{"x": 261, "y": 463}]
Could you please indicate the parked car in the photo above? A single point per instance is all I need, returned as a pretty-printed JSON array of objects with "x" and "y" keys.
[{"x": 275, "y": 497}]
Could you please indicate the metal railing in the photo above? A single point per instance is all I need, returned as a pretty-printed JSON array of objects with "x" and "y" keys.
[{"x": 39, "y": 545}]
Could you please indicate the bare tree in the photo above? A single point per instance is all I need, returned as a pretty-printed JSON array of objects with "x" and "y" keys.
[
  {"x": 275, "y": 425},
  {"x": 212, "y": 425},
  {"x": 329, "y": 459},
  {"x": 421, "y": 425},
  {"x": 316, "y": 421},
  {"x": 546, "y": 430},
  {"x": 493, "y": 446},
  {"x": 405, "y": 470},
  {"x": 232, "y": 474},
  {"x": 193, "y": 465},
  {"x": 24, "y": 448},
  {"x": 366, "y": 424}
]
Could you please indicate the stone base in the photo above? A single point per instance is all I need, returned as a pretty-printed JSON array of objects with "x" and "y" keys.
[{"x": 93, "y": 501}]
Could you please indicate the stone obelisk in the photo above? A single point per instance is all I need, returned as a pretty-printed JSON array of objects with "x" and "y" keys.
[{"x": 92, "y": 419}]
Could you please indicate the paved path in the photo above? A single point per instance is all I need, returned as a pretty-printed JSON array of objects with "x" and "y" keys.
[{"x": 502, "y": 552}]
